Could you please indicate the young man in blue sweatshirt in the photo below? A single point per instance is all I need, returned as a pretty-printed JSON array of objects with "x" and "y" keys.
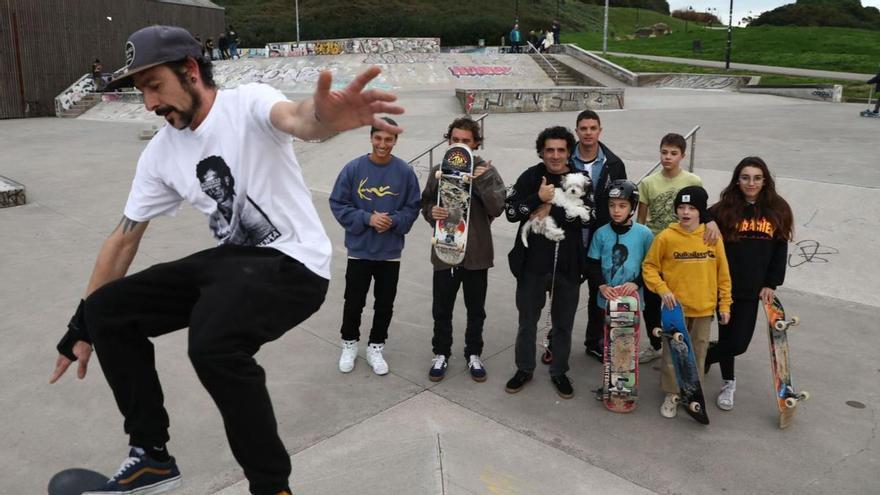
[{"x": 376, "y": 200}]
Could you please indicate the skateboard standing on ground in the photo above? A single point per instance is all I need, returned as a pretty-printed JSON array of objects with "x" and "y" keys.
[
  {"x": 868, "y": 112},
  {"x": 681, "y": 351},
  {"x": 786, "y": 397},
  {"x": 620, "y": 378},
  {"x": 76, "y": 481},
  {"x": 453, "y": 193}
]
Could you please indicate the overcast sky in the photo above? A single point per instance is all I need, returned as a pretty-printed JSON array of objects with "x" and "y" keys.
[{"x": 741, "y": 8}]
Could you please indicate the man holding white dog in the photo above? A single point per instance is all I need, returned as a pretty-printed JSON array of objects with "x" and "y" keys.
[{"x": 548, "y": 196}]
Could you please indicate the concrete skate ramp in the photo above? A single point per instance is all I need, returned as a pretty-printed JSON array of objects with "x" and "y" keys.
[
  {"x": 695, "y": 81},
  {"x": 400, "y": 72}
]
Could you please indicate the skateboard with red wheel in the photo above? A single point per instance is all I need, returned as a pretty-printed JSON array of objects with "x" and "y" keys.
[
  {"x": 681, "y": 351},
  {"x": 454, "y": 178},
  {"x": 620, "y": 377},
  {"x": 787, "y": 399}
]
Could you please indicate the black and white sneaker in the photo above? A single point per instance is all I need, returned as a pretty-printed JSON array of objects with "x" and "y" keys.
[{"x": 140, "y": 474}]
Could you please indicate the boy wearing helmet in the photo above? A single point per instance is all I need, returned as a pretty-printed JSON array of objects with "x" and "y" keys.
[{"x": 614, "y": 261}]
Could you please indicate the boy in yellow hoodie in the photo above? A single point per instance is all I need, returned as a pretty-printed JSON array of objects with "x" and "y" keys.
[{"x": 681, "y": 268}]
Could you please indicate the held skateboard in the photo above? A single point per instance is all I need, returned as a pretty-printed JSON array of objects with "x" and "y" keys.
[
  {"x": 620, "y": 378},
  {"x": 76, "y": 481},
  {"x": 681, "y": 351},
  {"x": 453, "y": 193},
  {"x": 786, "y": 398}
]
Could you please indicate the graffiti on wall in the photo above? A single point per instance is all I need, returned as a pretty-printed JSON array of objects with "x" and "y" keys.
[
  {"x": 354, "y": 46},
  {"x": 480, "y": 70},
  {"x": 400, "y": 58},
  {"x": 74, "y": 93},
  {"x": 562, "y": 100}
]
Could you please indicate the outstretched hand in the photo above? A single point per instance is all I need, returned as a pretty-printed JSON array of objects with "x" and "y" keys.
[
  {"x": 353, "y": 106},
  {"x": 83, "y": 352}
]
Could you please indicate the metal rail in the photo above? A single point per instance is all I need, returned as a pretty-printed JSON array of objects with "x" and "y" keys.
[
  {"x": 692, "y": 136},
  {"x": 555, "y": 70},
  {"x": 430, "y": 151}
]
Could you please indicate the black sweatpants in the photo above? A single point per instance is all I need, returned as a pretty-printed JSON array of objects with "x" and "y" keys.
[
  {"x": 595, "y": 318},
  {"x": 446, "y": 284},
  {"x": 531, "y": 296},
  {"x": 234, "y": 299},
  {"x": 735, "y": 337},
  {"x": 358, "y": 275},
  {"x": 652, "y": 317}
]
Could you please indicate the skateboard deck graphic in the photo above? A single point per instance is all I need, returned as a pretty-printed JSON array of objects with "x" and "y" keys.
[
  {"x": 621, "y": 364},
  {"x": 453, "y": 193},
  {"x": 75, "y": 481},
  {"x": 787, "y": 399},
  {"x": 684, "y": 361}
]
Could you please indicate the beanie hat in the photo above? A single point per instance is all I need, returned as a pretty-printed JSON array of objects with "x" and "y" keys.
[{"x": 695, "y": 196}]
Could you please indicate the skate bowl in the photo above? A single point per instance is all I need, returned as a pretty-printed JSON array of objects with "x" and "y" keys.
[{"x": 555, "y": 99}]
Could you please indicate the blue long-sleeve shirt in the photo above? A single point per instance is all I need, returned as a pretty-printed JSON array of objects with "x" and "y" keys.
[{"x": 364, "y": 187}]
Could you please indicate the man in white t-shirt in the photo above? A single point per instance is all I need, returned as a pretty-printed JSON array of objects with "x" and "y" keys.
[{"x": 230, "y": 154}]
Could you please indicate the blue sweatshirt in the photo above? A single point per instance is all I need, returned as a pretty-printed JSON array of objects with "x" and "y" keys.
[{"x": 364, "y": 187}]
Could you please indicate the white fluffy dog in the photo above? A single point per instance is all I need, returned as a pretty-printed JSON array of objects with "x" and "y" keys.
[{"x": 567, "y": 197}]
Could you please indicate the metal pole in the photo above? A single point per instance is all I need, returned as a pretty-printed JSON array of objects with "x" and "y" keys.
[
  {"x": 297, "y": 20},
  {"x": 516, "y": 11},
  {"x": 693, "y": 151},
  {"x": 729, "y": 37},
  {"x": 605, "y": 35}
]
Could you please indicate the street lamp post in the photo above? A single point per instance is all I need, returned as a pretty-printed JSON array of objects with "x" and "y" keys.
[
  {"x": 296, "y": 3},
  {"x": 605, "y": 30},
  {"x": 729, "y": 37},
  {"x": 686, "y": 15}
]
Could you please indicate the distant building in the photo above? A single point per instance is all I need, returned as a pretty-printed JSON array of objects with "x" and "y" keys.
[{"x": 46, "y": 46}]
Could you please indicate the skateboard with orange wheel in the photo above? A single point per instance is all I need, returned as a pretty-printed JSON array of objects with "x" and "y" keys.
[{"x": 787, "y": 398}]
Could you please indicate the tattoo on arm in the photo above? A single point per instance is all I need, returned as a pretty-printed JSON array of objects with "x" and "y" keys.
[{"x": 127, "y": 224}]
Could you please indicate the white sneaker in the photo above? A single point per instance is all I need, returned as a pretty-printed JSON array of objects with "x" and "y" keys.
[
  {"x": 349, "y": 355},
  {"x": 725, "y": 398},
  {"x": 648, "y": 354},
  {"x": 375, "y": 359},
  {"x": 669, "y": 408}
]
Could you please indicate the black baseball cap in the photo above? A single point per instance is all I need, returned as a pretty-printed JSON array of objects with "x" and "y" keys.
[{"x": 152, "y": 46}]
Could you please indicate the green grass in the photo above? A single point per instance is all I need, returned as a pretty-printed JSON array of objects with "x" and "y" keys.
[
  {"x": 824, "y": 48},
  {"x": 852, "y": 90}
]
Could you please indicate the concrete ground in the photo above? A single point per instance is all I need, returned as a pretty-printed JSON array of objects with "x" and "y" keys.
[{"x": 402, "y": 434}]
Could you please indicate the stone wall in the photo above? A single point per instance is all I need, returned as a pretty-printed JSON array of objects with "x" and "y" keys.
[
  {"x": 557, "y": 99},
  {"x": 832, "y": 93},
  {"x": 353, "y": 46},
  {"x": 11, "y": 193},
  {"x": 694, "y": 81}
]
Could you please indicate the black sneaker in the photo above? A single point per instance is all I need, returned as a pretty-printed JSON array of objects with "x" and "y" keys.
[
  {"x": 141, "y": 474},
  {"x": 563, "y": 386},
  {"x": 438, "y": 368},
  {"x": 518, "y": 381},
  {"x": 708, "y": 366}
]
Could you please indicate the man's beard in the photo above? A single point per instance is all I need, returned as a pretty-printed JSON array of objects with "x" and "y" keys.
[{"x": 185, "y": 116}]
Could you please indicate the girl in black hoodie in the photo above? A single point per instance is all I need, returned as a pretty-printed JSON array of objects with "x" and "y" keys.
[{"x": 757, "y": 225}]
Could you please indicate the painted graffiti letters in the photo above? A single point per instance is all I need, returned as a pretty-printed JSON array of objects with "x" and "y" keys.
[{"x": 480, "y": 70}]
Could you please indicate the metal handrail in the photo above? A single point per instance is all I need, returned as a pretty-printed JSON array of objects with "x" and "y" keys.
[
  {"x": 555, "y": 70},
  {"x": 693, "y": 146},
  {"x": 430, "y": 151}
]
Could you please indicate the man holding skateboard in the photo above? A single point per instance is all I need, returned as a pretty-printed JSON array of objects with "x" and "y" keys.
[
  {"x": 269, "y": 273},
  {"x": 487, "y": 203}
]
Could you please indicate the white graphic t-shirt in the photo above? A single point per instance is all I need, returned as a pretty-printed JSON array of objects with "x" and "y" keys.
[{"x": 241, "y": 171}]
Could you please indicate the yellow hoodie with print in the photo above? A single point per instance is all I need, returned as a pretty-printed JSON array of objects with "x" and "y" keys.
[{"x": 697, "y": 274}]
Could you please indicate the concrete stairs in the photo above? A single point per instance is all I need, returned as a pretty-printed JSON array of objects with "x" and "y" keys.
[
  {"x": 563, "y": 75},
  {"x": 80, "y": 107}
]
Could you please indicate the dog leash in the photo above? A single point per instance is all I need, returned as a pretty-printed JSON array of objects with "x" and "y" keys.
[{"x": 548, "y": 321}]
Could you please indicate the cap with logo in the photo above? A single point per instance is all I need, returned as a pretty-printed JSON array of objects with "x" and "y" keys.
[
  {"x": 152, "y": 46},
  {"x": 695, "y": 196}
]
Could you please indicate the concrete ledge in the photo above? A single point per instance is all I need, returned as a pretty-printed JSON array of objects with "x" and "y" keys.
[
  {"x": 558, "y": 99},
  {"x": 617, "y": 72},
  {"x": 694, "y": 81},
  {"x": 832, "y": 93},
  {"x": 11, "y": 193}
]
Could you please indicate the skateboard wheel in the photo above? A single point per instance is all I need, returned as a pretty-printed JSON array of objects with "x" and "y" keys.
[
  {"x": 694, "y": 407},
  {"x": 656, "y": 331},
  {"x": 804, "y": 395},
  {"x": 678, "y": 337},
  {"x": 795, "y": 321},
  {"x": 676, "y": 399},
  {"x": 547, "y": 357},
  {"x": 791, "y": 402},
  {"x": 780, "y": 326},
  {"x": 433, "y": 241}
]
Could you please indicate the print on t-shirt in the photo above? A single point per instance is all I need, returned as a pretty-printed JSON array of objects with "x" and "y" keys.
[
  {"x": 617, "y": 274},
  {"x": 237, "y": 220}
]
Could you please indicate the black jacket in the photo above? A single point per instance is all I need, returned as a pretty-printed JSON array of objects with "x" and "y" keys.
[
  {"x": 614, "y": 169},
  {"x": 538, "y": 258},
  {"x": 875, "y": 80},
  {"x": 757, "y": 259}
]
